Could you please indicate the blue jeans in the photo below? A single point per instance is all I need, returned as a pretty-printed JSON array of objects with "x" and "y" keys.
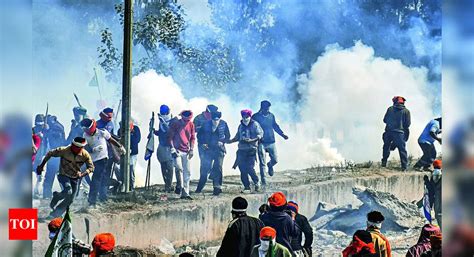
[
  {"x": 398, "y": 140},
  {"x": 212, "y": 160},
  {"x": 263, "y": 149},
  {"x": 246, "y": 162},
  {"x": 67, "y": 195},
  {"x": 51, "y": 170},
  {"x": 429, "y": 155},
  {"x": 100, "y": 182}
]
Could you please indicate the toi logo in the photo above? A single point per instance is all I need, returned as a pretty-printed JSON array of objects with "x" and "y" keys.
[{"x": 22, "y": 224}]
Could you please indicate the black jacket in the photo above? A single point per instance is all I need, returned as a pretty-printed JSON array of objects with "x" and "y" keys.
[
  {"x": 212, "y": 138},
  {"x": 284, "y": 225},
  {"x": 241, "y": 236},
  {"x": 305, "y": 228},
  {"x": 397, "y": 119}
]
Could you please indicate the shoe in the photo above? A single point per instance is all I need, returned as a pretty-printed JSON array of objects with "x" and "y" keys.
[
  {"x": 217, "y": 191},
  {"x": 404, "y": 169},
  {"x": 384, "y": 164},
  {"x": 186, "y": 197},
  {"x": 54, "y": 200},
  {"x": 257, "y": 188},
  {"x": 198, "y": 191},
  {"x": 270, "y": 169},
  {"x": 177, "y": 190},
  {"x": 246, "y": 191}
]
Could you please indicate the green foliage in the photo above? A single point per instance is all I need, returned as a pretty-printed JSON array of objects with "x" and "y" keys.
[
  {"x": 109, "y": 56},
  {"x": 157, "y": 31}
]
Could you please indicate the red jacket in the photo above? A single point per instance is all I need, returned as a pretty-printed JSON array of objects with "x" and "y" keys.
[{"x": 181, "y": 135}]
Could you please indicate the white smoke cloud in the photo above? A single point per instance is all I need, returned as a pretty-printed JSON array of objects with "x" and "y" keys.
[
  {"x": 347, "y": 92},
  {"x": 345, "y": 96},
  {"x": 150, "y": 90}
]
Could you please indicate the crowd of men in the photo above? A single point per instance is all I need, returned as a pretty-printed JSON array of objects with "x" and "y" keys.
[
  {"x": 96, "y": 144},
  {"x": 93, "y": 147}
]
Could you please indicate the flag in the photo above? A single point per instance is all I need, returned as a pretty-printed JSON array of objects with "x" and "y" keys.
[
  {"x": 427, "y": 206},
  {"x": 62, "y": 241},
  {"x": 150, "y": 145},
  {"x": 94, "y": 80}
]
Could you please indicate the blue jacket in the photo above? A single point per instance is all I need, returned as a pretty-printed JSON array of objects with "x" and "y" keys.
[
  {"x": 268, "y": 124},
  {"x": 284, "y": 225},
  {"x": 135, "y": 137},
  {"x": 212, "y": 138}
]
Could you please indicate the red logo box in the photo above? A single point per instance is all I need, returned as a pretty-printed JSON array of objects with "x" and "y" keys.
[{"x": 23, "y": 224}]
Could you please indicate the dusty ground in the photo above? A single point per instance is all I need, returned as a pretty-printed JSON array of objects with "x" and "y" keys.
[{"x": 155, "y": 196}]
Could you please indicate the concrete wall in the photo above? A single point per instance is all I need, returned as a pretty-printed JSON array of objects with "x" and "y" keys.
[{"x": 194, "y": 222}]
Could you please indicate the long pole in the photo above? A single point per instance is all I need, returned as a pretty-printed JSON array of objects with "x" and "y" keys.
[{"x": 126, "y": 93}]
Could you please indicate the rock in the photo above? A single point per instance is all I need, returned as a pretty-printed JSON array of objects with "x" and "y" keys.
[
  {"x": 166, "y": 247},
  {"x": 398, "y": 214}
]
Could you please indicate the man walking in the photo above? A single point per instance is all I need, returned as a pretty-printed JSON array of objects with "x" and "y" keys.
[
  {"x": 248, "y": 135},
  {"x": 163, "y": 153},
  {"x": 267, "y": 121},
  {"x": 199, "y": 121},
  {"x": 398, "y": 121},
  {"x": 242, "y": 234},
  {"x": 97, "y": 141},
  {"x": 214, "y": 134},
  {"x": 71, "y": 159},
  {"x": 181, "y": 139},
  {"x": 426, "y": 142},
  {"x": 55, "y": 137}
]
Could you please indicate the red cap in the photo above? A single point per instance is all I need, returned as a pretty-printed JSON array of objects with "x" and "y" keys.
[
  {"x": 278, "y": 199},
  {"x": 55, "y": 224},
  {"x": 438, "y": 164},
  {"x": 103, "y": 243},
  {"x": 268, "y": 232},
  {"x": 398, "y": 99}
]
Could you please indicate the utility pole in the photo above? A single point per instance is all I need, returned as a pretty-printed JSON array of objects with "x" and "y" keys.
[{"x": 126, "y": 93}]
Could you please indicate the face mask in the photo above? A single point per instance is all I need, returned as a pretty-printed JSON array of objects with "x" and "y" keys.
[
  {"x": 166, "y": 117},
  {"x": 75, "y": 149},
  {"x": 246, "y": 120},
  {"x": 265, "y": 244}
]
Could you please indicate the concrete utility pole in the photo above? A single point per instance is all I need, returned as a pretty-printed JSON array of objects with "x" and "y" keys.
[{"x": 126, "y": 92}]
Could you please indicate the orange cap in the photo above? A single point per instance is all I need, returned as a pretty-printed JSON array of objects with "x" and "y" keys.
[
  {"x": 438, "y": 164},
  {"x": 103, "y": 243},
  {"x": 55, "y": 224},
  {"x": 278, "y": 199},
  {"x": 268, "y": 232}
]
